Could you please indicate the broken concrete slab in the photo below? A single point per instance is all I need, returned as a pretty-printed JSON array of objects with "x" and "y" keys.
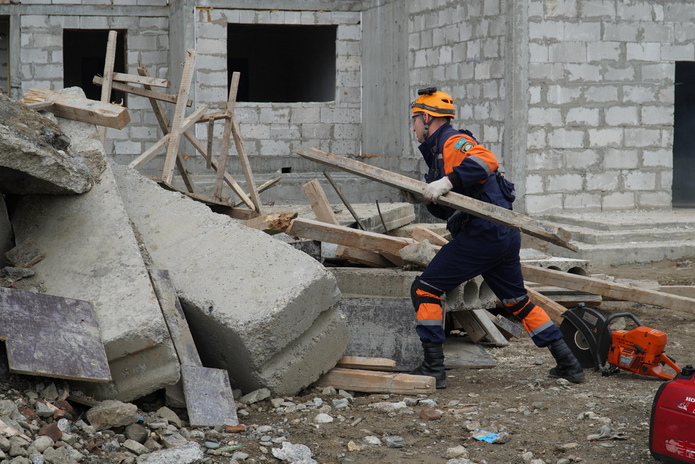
[
  {"x": 256, "y": 306},
  {"x": 91, "y": 254},
  {"x": 35, "y": 157}
]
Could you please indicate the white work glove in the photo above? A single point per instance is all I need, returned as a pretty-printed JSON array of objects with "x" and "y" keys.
[{"x": 437, "y": 188}]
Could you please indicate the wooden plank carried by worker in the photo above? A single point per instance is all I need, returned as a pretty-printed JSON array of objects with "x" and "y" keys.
[
  {"x": 376, "y": 382},
  {"x": 209, "y": 397},
  {"x": 69, "y": 106},
  {"x": 608, "y": 289},
  {"x": 52, "y": 336},
  {"x": 512, "y": 219}
]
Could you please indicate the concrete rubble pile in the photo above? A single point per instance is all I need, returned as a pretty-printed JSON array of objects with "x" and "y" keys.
[{"x": 257, "y": 307}]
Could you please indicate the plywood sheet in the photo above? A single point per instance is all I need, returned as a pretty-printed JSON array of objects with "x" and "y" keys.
[{"x": 52, "y": 336}]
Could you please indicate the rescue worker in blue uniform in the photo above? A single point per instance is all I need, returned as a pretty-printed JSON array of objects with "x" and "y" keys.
[{"x": 457, "y": 162}]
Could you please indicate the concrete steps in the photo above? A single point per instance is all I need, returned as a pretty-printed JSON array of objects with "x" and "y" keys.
[{"x": 616, "y": 238}]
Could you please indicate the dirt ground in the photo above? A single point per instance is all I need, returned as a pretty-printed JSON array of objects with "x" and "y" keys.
[
  {"x": 538, "y": 420},
  {"x": 547, "y": 420}
]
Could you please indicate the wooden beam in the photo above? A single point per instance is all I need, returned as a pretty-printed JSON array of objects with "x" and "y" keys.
[
  {"x": 551, "y": 307},
  {"x": 78, "y": 109},
  {"x": 143, "y": 92},
  {"x": 608, "y": 289},
  {"x": 318, "y": 202},
  {"x": 324, "y": 212},
  {"x": 470, "y": 325},
  {"x": 344, "y": 199},
  {"x": 164, "y": 125},
  {"x": 271, "y": 223},
  {"x": 377, "y": 382},
  {"x": 368, "y": 364},
  {"x": 179, "y": 114},
  {"x": 226, "y": 134},
  {"x": 208, "y": 392},
  {"x": 135, "y": 79},
  {"x": 493, "y": 333},
  {"x": 245, "y": 166},
  {"x": 364, "y": 257},
  {"x": 321, "y": 231},
  {"x": 505, "y": 326},
  {"x": 108, "y": 76},
  {"x": 512, "y": 219},
  {"x": 154, "y": 149},
  {"x": 421, "y": 233},
  {"x": 233, "y": 184}
]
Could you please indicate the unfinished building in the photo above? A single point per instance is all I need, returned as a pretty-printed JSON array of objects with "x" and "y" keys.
[{"x": 586, "y": 102}]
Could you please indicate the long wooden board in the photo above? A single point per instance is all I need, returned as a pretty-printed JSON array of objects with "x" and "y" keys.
[
  {"x": 368, "y": 364},
  {"x": 512, "y": 219},
  {"x": 341, "y": 235},
  {"x": 52, "y": 336},
  {"x": 377, "y": 382},
  {"x": 209, "y": 397},
  {"x": 69, "y": 106},
  {"x": 608, "y": 289}
]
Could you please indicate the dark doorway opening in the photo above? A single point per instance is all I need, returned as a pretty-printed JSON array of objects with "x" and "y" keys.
[
  {"x": 283, "y": 64},
  {"x": 683, "y": 189},
  {"x": 84, "y": 55},
  {"x": 5, "y": 54}
]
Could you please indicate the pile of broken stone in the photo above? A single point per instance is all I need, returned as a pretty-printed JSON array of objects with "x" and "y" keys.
[{"x": 44, "y": 423}]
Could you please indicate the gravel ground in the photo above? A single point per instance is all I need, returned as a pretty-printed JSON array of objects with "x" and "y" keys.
[{"x": 530, "y": 417}]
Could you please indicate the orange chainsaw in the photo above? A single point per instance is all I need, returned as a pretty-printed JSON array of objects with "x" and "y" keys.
[{"x": 640, "y": 350}]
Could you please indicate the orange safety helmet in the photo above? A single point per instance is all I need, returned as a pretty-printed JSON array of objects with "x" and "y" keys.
[{"x": 433, "y": 102}]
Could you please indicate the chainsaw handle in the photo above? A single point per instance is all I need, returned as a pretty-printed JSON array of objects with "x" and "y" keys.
[
  {"x": 669, "y": 362},
  {"x": 617, "y": 315}
]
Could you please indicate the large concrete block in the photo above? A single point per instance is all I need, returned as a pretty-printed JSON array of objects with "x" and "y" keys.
[
  {"x": 34, "y": 155},
  {"x": 92, "y": 254},
  {"x": 395, "y": 283},
  {"x": 383, "y": 328},
  {"x": 257, "y": 307}
]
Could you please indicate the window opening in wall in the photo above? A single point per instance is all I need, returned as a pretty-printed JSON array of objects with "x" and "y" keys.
[
  {"x": 84, "y": 55},
  {"x": 281, "y": 63},
  {"x": 5, "y": 55},
  {"x": 683, "y": 189}
]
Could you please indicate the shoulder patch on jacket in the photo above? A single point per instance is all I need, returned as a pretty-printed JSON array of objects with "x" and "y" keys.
[{"x": 463, "y": 145}]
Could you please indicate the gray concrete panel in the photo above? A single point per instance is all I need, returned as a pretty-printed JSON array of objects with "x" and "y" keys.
[
  {"x": 91, "y": 254},
  {"x": 252, "y": 301}
]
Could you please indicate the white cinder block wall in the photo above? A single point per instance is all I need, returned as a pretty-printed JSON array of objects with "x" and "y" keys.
[
  {"x": 601, "y": 98},
  {"x": 272, "y": 131},
  {"x": 576, "y": 97}
]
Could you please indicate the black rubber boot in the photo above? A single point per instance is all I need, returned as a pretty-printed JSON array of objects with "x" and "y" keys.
[
  {"x": 433, "y": 364},
  {"x": 567, "y": 365}
]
